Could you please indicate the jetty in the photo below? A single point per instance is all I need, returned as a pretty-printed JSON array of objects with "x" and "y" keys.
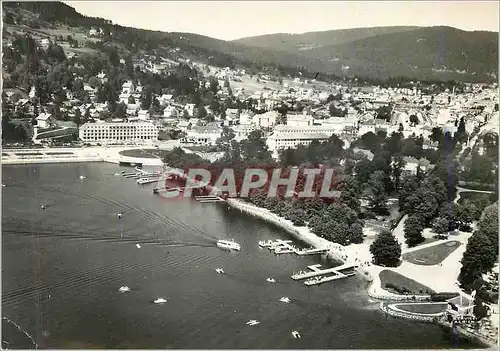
[
  {"x": 149, "y": 181},
  {"x": 319, "y": 280},
  {"x": 208, "y": 199},
  {"x": 285, "y": 247},
  {"x": 315, "y": 271}
]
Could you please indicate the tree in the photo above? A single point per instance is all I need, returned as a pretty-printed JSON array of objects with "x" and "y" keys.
[
  {"x": 351, "y": 192},
  {"x": 225, "y": 140},
  {"x": 436, "y": 135},
  {"x": 441, "y": 225},
  {"x": 337, "y": 112},
  {"x": 397, "y": 170},
  {"x": 86, "y": 116},
  {"x": 131, "y": 100},
  {"x": 201, "y": 112},
  {"x": 423, "y": 204},
  {"x": 461, "y": 134},
  {"x": 413, "y": 229},
  {"x": 356, "y": 236},
  {"x": 254, "y": 149},
  {"x": 407, "y": 188},
  {"x": 376, "y": 192},
  {"x": 488, "y": 224},
  {"x": 78, "y": 118},
  {"x": 413, "y": 120},
  {"x": 386, "y": 250},
  {"x": 384, "y": 112},
  {"x": 465, "y": 215},
  {"x": 479, "y": 257}
]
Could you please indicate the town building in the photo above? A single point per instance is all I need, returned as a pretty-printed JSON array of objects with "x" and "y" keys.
[
  {"x": 128, "y": 131},
  {"x": 206, "y": 135},
  {"x": 284, "y": 136},
  {"x": 45, "y": 120}
]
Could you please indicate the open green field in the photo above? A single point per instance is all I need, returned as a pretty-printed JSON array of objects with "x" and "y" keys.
[
  {"x": 433, "y": 255},
  {"x": 399, "y": 284},
  {"x": 424, "y": 308}
]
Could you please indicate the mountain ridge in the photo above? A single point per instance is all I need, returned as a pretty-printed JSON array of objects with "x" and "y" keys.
[{"x": 435, "y": 53}]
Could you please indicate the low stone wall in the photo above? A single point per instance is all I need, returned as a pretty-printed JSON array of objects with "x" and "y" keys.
[
  {"x": 419, "y": 317},
  {"x": 396, "y": 297}
]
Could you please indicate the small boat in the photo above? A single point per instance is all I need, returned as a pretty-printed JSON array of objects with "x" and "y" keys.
[
  {"x": 252, "y": 322},
  {"x": 265, "y": 243},
  {"x": 82, "y": 177},
  {"x": 143, "y": 181},
  {"x": 314, "y": 280},
  {"x": 271, "y": 280},
  {"x": 120, "y": 215},
  {"x": 219, "y": 270},
  {"x": 285, "y": 299},
  {"x": 138, "y": 246},
  {"x": 298, "y": 274},
  {"x": 124, "y": 289},
  {"x": 160, "y": 300},
  {"x": 123, "y": 172},
  {"x": 43, "y": 207},
  {"x": 229, "y": 245},
  {"x": 296, "y": 334}
]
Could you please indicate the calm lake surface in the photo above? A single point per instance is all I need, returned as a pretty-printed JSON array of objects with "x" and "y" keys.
[{"x": 62, "y": 268}]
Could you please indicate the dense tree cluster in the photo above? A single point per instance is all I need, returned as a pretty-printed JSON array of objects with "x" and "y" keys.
[
  {"x": 386, "y": 250},
  {"x": 480, "y": 256}
]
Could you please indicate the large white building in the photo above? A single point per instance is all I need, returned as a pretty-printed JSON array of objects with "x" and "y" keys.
[
  {"x": 139, "y": 132},
  {"x": 285, "y": 137},
  {"x": 242, "y": 131},
  {"x": 204, "y": 134},
  {"x": 266, "y": 120}
]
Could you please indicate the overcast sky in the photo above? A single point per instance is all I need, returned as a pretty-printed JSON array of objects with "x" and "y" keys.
[{"x": 229, "y": 20}]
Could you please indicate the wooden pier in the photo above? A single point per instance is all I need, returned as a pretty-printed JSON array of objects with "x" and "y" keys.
[
  {"x": 149, "y": 181},
  {"x": 336, "y": 276},
  {"x": 284, "y": 246},
  {"x": 311, "y": 252},
  {"x": 208, "y": 199},
  {"x": 317, "y": 272}
]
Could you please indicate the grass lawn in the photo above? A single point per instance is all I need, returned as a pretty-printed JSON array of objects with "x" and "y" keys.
[
  {"x": 425, "y": 308},
  {"x": 145, "y": 153},
  {"x": 142, "y": 153},
  {"x": 431, "y": 255},
  {"x": 472, "y": 196},
  {"x": 402, "y": 283}
]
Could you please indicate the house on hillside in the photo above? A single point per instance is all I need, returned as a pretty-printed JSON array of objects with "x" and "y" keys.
[
  {"x": 412, "y": 164},
  {"x": 45, "y": 120}
]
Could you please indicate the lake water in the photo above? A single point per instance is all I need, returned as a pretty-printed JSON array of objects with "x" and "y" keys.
[{"x": 62, "y": 268}]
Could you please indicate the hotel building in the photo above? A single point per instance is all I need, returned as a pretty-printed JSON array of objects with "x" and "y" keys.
[{"x": 119, "y": 131}]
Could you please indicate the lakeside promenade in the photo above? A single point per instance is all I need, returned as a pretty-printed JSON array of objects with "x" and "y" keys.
[{"x": 109, "y": 154}]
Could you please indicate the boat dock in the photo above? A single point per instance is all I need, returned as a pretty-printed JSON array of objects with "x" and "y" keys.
[
  {"x": 311, "y": 252},
  {"x": 149, "y": 181},
  {"x": 284, "y": 246},
  {"x": 316, "y": 271},
  {"x": 209, "y": 199},
  {"x": 336, "y": 276}
]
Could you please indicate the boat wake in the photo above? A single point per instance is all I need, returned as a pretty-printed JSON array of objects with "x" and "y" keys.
[
  {"x": 21, "y": 330},
  {"x": 128, "y": 209},
  {"x": 106, "y": 237}
]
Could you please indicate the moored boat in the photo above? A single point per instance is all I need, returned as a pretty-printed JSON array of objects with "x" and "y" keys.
[{"x": 228, "y": 245}]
